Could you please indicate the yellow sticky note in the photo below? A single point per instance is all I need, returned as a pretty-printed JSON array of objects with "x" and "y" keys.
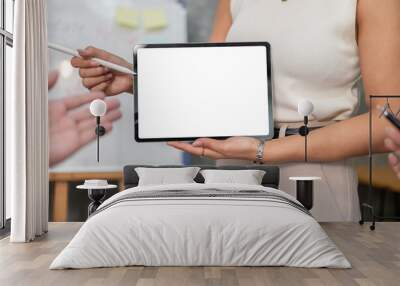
[
  {"x": 154, "y": 19},
  {"x": 127, "y": 17}
]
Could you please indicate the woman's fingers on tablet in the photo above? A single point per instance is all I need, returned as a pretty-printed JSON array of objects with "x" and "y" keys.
[
  {"x": 90, "y": 82},
  {"x": 199, "y": 151},
  {"x": 212, "y": 148},
  {"x": 208, "y": 143},
  {"x": 186, "y": 147}
]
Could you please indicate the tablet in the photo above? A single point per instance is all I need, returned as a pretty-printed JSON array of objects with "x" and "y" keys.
[{"x": 218, "y": 90}]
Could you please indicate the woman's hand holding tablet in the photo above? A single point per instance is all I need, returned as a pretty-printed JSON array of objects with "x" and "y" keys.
[{"x": 241, "y": 148}]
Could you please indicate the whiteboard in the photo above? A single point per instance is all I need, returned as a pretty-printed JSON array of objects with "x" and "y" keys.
[
  {"x": 203, "y": 90},
  {"x": 78, "y": 23}
]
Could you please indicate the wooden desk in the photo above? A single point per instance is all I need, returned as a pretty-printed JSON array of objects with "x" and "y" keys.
[
  {"x": 61, "y": 181},
  {"x": 382, "y": 178}
]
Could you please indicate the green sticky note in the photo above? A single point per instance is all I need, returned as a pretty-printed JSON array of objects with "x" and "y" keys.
[
  {"x": 154, "y": 19},
  {"x": 127, "y": 17}
]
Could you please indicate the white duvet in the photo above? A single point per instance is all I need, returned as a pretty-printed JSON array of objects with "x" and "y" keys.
[{"x": 200, "y": 231}]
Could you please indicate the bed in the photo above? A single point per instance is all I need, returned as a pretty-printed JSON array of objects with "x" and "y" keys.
[{"x": 198, "y": 224}]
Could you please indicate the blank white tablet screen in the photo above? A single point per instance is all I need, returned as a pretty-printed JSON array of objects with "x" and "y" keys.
[{"x": 191, "y": 92}]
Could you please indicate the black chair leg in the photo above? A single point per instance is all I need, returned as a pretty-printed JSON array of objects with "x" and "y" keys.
[
  {"x": 371, "y": 208},
  {"x": 361, "y": 222},
  {"x": 372, "y": 227}
]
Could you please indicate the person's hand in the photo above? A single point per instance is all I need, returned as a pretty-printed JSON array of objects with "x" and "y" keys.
[
  {"x": 243, "y": 148},
  {"x": 392, "y": 142},
  {"x": 72, "y": 126},
  {"x": 52, "y": 79},
  {"x": 98, "y": 78}
]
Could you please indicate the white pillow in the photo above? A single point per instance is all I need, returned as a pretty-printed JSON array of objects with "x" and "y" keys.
[
  {"x": 248, "y": 177},
  {"x": 166, "y": 176}
]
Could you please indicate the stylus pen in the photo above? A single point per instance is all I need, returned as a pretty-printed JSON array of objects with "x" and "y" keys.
[
  {"x": 104, "y": 63},
  {"x": 395, "y": 121}
]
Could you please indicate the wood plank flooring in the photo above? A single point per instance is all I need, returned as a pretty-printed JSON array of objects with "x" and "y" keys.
[{"x": 375, "y": 257}]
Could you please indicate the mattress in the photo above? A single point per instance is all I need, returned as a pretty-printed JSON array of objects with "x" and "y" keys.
[{"x": 201, "y": 225}]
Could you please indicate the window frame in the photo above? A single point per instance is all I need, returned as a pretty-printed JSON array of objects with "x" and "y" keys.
[{"x": 6, "y": 39}]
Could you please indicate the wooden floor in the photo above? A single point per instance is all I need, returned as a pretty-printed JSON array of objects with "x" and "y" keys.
[{"x": 375, "y": 257}]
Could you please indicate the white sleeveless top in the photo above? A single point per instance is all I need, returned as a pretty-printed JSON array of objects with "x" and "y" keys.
[{"x": 313, "y": 49}]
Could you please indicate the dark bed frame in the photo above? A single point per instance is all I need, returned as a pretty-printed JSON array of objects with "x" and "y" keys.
[{"x": 270, "y": 179}]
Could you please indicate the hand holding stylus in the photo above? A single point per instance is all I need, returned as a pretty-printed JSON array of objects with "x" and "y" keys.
[{"x": 98, "y": 78}]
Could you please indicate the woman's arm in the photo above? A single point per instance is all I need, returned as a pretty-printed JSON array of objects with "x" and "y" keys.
[
  {"x": 379, "y": 46},
  {"x": 222, "y": 22}
]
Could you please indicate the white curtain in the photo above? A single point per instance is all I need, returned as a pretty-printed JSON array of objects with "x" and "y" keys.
[{"x": 27, "y": 128}]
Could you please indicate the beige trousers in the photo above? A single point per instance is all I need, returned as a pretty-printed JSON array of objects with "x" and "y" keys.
[{"x": 335, "y": 196}]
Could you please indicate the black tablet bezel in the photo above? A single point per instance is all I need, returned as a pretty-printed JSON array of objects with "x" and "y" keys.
[{"x": 196, "y": 45}]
